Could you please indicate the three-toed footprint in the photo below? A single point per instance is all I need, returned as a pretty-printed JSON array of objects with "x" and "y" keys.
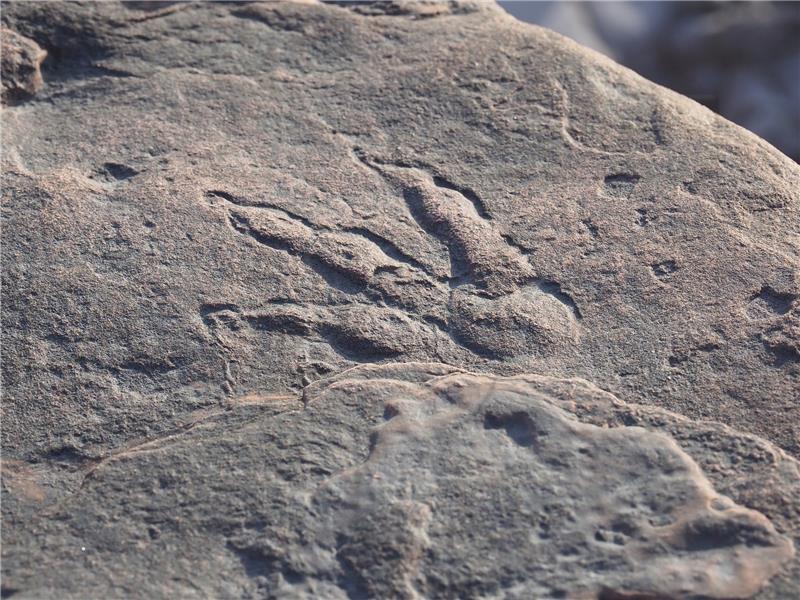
[{"x": 490, "y": 302}]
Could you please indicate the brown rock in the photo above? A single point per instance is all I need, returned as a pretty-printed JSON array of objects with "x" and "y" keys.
[
  {"x": 20, "y": 73},
  {"x": 416, "y": 480},
  {"x": 212, "y": 207}
]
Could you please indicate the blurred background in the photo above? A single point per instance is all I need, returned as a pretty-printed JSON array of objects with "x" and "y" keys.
[{"x": 741, "y": 59}]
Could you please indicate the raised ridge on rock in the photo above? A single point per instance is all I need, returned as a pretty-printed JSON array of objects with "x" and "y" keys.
[{"x": 414, "y": 480}]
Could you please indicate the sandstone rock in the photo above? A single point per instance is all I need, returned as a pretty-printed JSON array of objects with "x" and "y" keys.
[
  {"x": 416, "y": 480},
  {"x": 212, "y": 208},
  {"x": 20, "y": 73}
]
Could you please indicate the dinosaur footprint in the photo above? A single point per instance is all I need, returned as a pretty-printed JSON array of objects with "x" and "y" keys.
[{"x": 490, "y": 305}]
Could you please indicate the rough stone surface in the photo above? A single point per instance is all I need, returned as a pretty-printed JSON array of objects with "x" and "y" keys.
[
  {"x": 20, "y": 59},
  {"x": 210, "y": 208},
  {"x": 413, "y": 480}
]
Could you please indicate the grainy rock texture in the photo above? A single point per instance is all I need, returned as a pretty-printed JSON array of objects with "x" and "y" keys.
[
  {"x": 416, "y": 480},
  {"x": 211, "y": 209},
  {"x": 19, "y": 71}
]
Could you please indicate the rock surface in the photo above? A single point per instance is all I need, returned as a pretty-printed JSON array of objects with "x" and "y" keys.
[
  {"x": 210, "y": 209},
  {"x": 412, "y": 480},
  {"x": 19, "y": 67}
]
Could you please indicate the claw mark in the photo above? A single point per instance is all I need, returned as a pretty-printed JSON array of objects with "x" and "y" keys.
[
  {"x": 343, "y": 264},
  {"x": 438, "y": 179},
  {"x": 470, "y": 240},
  {"x": 353, "y": 340},
  {"x": 554, "y": 289},
  {"x": 390, "y": 249},
  {"x": 480, "y": 207},
  {"x": 244, "y": 202},
  {"x": 348, "y": 258}
]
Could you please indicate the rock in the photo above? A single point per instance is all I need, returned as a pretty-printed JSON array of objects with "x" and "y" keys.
[
  {"x": 20, "y": 71},
  {"x": 415, "y": 480},
  {"x": 213, "y": 208}
]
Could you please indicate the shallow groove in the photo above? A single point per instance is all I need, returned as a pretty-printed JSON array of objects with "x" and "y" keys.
[
  {"x": 386, "y": 246},
  {"x": 335, "y": 278}
]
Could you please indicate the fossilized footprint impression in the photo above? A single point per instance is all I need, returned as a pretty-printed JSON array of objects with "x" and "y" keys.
[{"x": 490, "y": 304}]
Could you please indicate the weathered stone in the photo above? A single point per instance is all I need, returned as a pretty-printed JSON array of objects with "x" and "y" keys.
[
  {"x": 416, "y": 480},
  {"x": 20, "y": 60},
  {"x": 212, "y": 204}
]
